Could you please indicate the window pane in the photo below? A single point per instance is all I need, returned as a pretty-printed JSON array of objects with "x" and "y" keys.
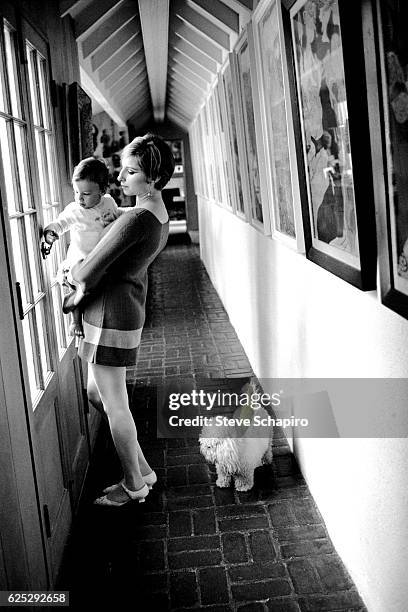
[
  {"x": 42, "y": 168},
  {"x": 43, "y": 338},
  {"x": 61, "y": 320},
  {"x": 33, "y": 84},
  {"x": 33, "y": 382},
  {"x": 2, "y": 87},
  {"x": 12, "y": 72},
  {"x": 7, "y": 167},
  {"x": 52, "y": 261},
  {"x": 21, "y": 149},
  {"x": 18, "y": 258},
  {"x": 42, "y": 74},
  {"x": 33, "y": 246},
  {"x": 52, "y": 167}
]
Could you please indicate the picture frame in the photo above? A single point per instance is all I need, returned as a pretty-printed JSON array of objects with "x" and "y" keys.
[
  {"x": 388, "y": 104},
  {"x": 231, "y": 118},
  {"x": 227, "y": 146},
  {"x": 80, "y": 123},
  {"x": 221, "y": 141},
  {"x": 278, "y": 137},
  {"x": 205, "y": 181},
  {"x": 252, "y": 131},
  {"x": 216, "y": 163},
  {"x": 337, "y": 202}
]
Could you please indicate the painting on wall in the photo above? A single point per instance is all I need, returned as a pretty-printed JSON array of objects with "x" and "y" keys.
[
  {"x": 334, "y": 213},
  {"x": 277, "y": 124},
  {"x": 230, "y": 117},
  {"x": 392, "y": 16},
  {"x": 252, "y": 165},
  {"x": 80, "y": 123}
]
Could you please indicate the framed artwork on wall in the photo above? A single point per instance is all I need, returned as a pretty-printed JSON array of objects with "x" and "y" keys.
[
  {"x": 231, "y": 119},
  {"x": 229, "y": 162},
  {"x": 277, "y": 125},
  {"x": 389, "y": 109},
  {"x": 201, "y": 135},
  {"x": 216, "y": 160},
  {"x": 222, "y": 148},
  {"x": 252, "y": 130},
  {"x": 80, "y": 123},
  {"x": 328, "y": 55}
]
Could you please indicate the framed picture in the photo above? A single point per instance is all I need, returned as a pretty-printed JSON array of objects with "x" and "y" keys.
[
  {"x": 252, "y": 132},
  {"x": 204, "y": 166},
  {"x": 230, "y": 118},
  {"x": 389, "y": 109},
  {"x": 222, "y": 148},
  {"x": 277, "y": 125},
  {"x": 338, "y": 211},
  {"x": 227, "y": 148},
  {"x": 80, "y": 123},
  {"x": 216, "y": 159}
]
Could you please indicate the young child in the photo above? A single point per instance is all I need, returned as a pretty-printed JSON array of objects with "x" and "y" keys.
[{"x": 85, "y": 218}]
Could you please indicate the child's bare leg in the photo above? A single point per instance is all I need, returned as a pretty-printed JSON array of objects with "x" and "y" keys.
[{"x": 76, "y": 329}]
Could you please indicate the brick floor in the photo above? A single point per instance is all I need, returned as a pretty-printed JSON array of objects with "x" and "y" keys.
[{"x": 191, "y": 545}]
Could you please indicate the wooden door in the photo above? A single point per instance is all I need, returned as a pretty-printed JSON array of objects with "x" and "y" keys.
[{"x": 31, "y": 193}]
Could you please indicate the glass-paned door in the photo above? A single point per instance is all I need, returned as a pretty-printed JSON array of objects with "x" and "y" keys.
[
  {"x": 23, "y": 219},
  {"x": 30, "y": 189}
]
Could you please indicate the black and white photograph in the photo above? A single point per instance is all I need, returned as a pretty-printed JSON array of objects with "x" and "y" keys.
[{"x": 204, "y": 305}]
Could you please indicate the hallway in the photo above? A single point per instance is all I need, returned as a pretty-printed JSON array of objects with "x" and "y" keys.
[{"x": 193, "y": 545}]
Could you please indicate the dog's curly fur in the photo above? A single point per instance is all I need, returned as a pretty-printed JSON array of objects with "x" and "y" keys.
[{"x": 235, "y": 453}]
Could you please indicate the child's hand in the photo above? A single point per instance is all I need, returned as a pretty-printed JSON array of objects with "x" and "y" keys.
[
  {"x": 108, "y": 217},
  {"x": 50, "y": 236}
]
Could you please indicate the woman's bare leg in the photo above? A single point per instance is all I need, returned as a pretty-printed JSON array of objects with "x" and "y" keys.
[
  {"x": 111, "y": 384},
  {"x": 95, "y": 399}
]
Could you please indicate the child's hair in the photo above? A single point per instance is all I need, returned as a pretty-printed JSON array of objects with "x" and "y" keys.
[
  {"x": 154, "y": 156},
  {"x": 94, "y": 170}
]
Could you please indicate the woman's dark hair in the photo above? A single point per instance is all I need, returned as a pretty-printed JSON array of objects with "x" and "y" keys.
[
  {"x": 154, "y": 156},
  {"x": 91, "y": 169}
]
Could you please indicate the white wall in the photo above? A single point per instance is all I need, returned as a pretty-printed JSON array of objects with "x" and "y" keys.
[{"x": 295, "y": 319}]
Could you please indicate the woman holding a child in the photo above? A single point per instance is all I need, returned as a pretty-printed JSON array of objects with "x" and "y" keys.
[{"x": 111, "y": 286}]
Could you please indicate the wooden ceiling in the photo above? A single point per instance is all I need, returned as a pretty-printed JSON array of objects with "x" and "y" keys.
[{"x": 148, "y": 60}]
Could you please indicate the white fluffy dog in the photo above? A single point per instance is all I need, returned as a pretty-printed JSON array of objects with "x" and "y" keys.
[{"x": 235, "y": 451}]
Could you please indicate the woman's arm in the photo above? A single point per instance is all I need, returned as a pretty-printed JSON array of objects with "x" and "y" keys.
[{"x": 116, "y": 239}]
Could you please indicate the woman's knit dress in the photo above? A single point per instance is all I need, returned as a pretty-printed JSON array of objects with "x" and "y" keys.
[{"x": 113, "y": 278}]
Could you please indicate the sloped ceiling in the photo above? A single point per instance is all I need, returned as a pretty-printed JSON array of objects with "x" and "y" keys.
[{"x": 144, "y": 60}]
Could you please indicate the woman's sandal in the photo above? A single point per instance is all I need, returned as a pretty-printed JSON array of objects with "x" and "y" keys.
[
  {"x": 150, "y": 480},
  {"x": 139, "y": 495}
]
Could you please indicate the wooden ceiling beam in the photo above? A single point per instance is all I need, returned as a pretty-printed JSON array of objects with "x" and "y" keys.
[
  {"x": 221, "y": 12},
  {"x": 186, "y": 83},
  {"x": 124, "y": 69},
  {"x": 179, "y": 121},
  {"x": 139, "y": 73},
  {"x": 191, "y": 76},
  {"x": 154, "y": 19},
  {"x": 202, "y": 24},
  {"x": 134, "y": 46},
  {"x": 200, "y": 42},
  {"x": 68, "y": 6},
  {"x": 187, "y": 108},
  {"x": 193, "y": 53},
  {"x": 125, "y": 13},
  {"x": 135, "y": 107},
  {"x": 115, "y": 44},
  {"x": 185, "y": 61},
  {"x": 136, "y": 88},
  {"x": 186, "y": 119},
  {"x": 94, "y": 15},
  {"x": 180, "y": 90},
  {"x": 140, "y": 81}
]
